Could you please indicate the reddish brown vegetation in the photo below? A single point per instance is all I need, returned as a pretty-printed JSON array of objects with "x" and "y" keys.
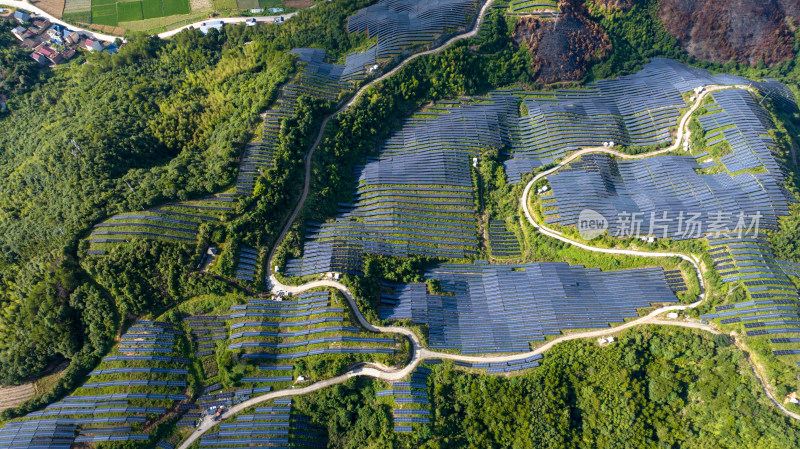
[
  {"x": 741, "y": 30},
  {"x": 562, "y": 47},
  {"x": 622, "y": 5}
]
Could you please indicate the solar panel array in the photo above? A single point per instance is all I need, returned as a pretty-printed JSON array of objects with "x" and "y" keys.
[
  {"x": 503, "y": 367},
  {"x": 172, "y": 222},
  {"x": 315, "y": 78},
  {"x": 246, "y": 266},
  {"x": 503, "y": 243},
  {"x": 118, "y": 401},
  {"x": 775, "y": 307},
  {"x": 738, "y": 120},
  {"x": 488, "y": 309},
  {"x": 749, "y": 183},
  {"x": 35, "y": 434},
  {"x": 416, "y": 197},
  {"x": 660, "y": 190},
  {"x": 274, "y": 425},
  {"x": 401, "y": 24},
  {"x": 411, "y": 403},
  {"x": 294, "y": 328}
]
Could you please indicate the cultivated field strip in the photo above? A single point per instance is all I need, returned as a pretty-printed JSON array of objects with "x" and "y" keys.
[{"x": 13, "y": 396}]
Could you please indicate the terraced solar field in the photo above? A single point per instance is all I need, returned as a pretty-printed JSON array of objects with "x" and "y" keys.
[
  {"x": 171, "y": 222},
  {"x": 402, "y": 24},
  {"x": 279, "y": 344},
  {"x": 416, "y": 197},
  {"x": 315, "y": 78},
  {"x": 731, "y": 209},
  {"x": 268, "y": 425},
  {"x": 410, "y": 400},
  {"x": 504, "y": 308},
  {"x": 132, "y": 388}
]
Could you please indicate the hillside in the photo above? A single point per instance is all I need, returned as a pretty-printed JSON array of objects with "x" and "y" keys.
[
  {"x": 742, "y": 30},
  {"x": 561, "y": 48}
]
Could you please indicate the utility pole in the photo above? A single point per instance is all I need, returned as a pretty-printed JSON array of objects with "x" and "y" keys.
[{"x": 134, "y": 192}]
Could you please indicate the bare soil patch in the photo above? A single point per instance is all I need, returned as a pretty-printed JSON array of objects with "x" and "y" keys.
[
  {"x": 53, "y": 7},
  {"x": 298, "y": 3}
]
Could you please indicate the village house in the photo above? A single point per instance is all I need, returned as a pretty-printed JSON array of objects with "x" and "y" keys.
[
  {"x": 21, "y": 16},
  {"x": 92, "y": 45}
]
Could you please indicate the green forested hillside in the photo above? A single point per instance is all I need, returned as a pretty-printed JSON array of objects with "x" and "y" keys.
[
  {"x": 161, "y": 120},
  {"x": 654, "y": 388}
]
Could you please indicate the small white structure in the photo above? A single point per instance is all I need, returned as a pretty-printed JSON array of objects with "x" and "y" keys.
[
  {"x": 251, "y": 22},
  {"x": 475, "y": 162},
  {"x": 256, "y": 10},
  {"x": 277, "y": 269},
  {"x": 692, "y": 98},
  {"x": 610, "y": 339},
  {"x": 605, "y": 144},
  {"x": 651, "y": 239},
  {"x": 374, "y": 68},
  {"x": 301, "y": 379},
  {"x": 611, "y": 144},
  {"x": 698, "y": 90},
  {"x": 205, "y": 27},
  {"x": 672, "y": 316}
]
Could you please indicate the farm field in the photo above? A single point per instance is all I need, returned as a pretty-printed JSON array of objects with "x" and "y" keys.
[
  {"x": 54, "y": 7},
  {"x": 110, "y": 12}
]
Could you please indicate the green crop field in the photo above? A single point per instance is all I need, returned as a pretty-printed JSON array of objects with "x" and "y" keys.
[
  {"x": 104, "y": 14},
  {"x": 129, "y": 11},
  {"x": 113, "y": 12},
  {"x": 152, "y": 9},
  {"x": 172, "y": 7}
]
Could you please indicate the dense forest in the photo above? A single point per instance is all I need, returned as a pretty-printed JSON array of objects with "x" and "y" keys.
[{"x": 653, "y": 388}]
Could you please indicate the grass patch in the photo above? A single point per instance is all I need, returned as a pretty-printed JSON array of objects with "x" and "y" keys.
[
  {"x": 105, "y": 14},
  {"x": 224, "y": 4},
  {"x": 78, "y": 17},
  {"x": 173, "y": 7},
  {"x": 152, "y": 9},
  {"x": 129, "y": 11}
]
